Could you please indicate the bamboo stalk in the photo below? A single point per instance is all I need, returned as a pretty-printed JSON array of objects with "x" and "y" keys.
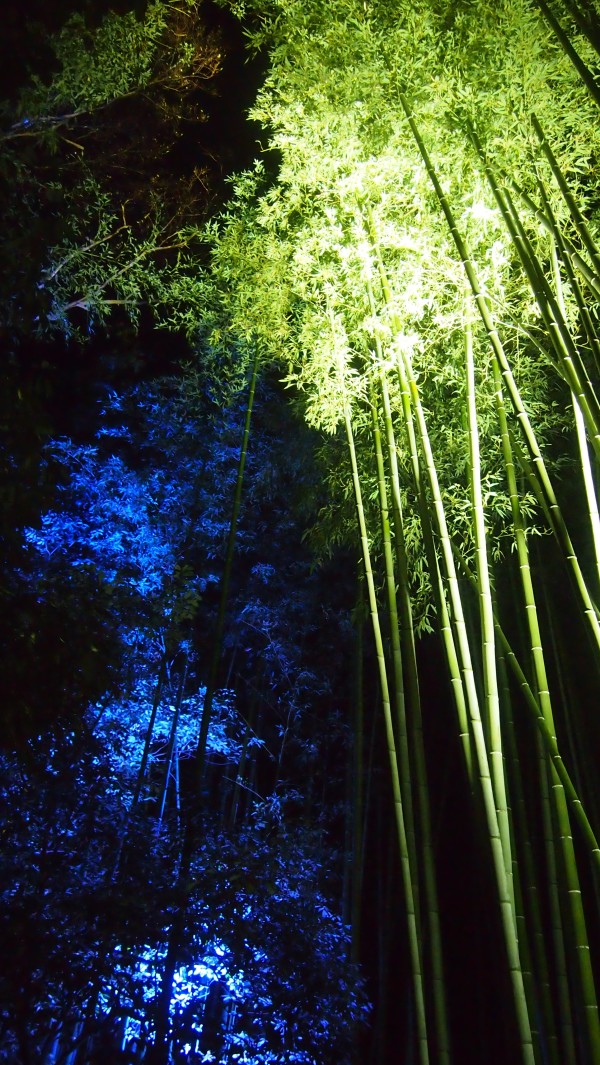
[
  {"x": 141, "y": 776},
  {"x": 439, "y": 592},
  {"x": 476, "y": 724},
  {"x": 586, "y": 25},
  {"x": 411, "y": 915},
  {"x": 543, "y": 217},
  {"x": 401, "y": 733},
  {"x": 527, "y": 890},
  {"x": 416, "y": 732},
  {"x": 557, "y": 525},
  {"x": 551, "y": 746},
  {"x": 544, "y": 488},
  {"x": 565, "y": 1011},
  {"x": 558, "y": 792},
  {"x": 559, "y": 244},
  {"x": 490, "y": 679},
  {"x": 481, "y": 752},
  {"x": 570, "y": 364},
  {"x": 358, "y": 799},
  {"x": 586, "y": 468},
  {"x": 215, "y": 661},
  {"x": 576, "y": 215},
  {"x": 160, "y": 1051},
  {"x": 172, "y": 745},
  {"x": 584, "y": 72}
]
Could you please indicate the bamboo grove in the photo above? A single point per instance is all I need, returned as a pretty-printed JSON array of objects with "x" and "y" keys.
[{"x": 425, "y": 268}]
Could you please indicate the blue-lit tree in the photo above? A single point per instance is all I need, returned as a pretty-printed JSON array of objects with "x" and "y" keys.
[
  {"x": 417, "y": 257},
  {"x": 141, "y": 516}
]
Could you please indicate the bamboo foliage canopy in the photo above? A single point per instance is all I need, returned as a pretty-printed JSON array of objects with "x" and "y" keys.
[{"x": 424, "y": 267}]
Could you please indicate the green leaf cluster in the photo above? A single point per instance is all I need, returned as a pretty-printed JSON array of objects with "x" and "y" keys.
[
  {"x": 102, "y": 204},
  {"x": 97, "y": 66},
  {"x": 297, "y": 257}
]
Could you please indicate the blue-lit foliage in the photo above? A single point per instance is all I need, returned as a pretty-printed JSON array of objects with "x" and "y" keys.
[
  {"x": 262, "y": 973},
  {"x": 123, "y": 870},
  {"x": 122, "y": 725},
  {"x": 285, "y": 990},
  {"x": 87, "y": 954},
  {"x": 135, "y": 523}
]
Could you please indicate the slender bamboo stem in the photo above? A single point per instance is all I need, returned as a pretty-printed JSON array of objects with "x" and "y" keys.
[
  {"x": 211, "y": 683},
  {"x": 527, "y": 889},
  {"x": 160, "y": 1050},
  {"x": 565, "y": 1011},
  {"x": 141, "y": 776},
  {"x": 556, "y": 522},
  {"x": 543, "y": 698},
  {"x": 490, "y": 679},
  {"x": 401, "y": 733},
  {"x": 584, "y": 72},
  {"x": 576, "y": 215},
  {"x": 542, "y": 480},
  {"x": 438, "y": 590},
  {"x": 561, "y": 248},
  {"x": 569, "y": 361},
  {"x": 413, "y": 936},
  {"x": 551, "y": 746},
  {"x": 476, "y": 724},
  {"x": 545, "y": 219},
  {"x": 171, "y": 745},
  {"x": 416, "y": 733},
  {"x": 358, "y": 798},
  {"x": 587, "y": 25},
  {"x": 481, "y": 752},
  {"x": 586, "y": 467}
]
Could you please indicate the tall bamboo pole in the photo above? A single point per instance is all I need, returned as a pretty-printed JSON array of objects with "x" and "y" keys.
[
  {"x": 543, "y": 698},
  {"x": 507, "y": 912},
  {"x": 358, "y": 797},
  {"x": 591, "y": 279},
  {"x": 172, "y": 744},
  {"x": 490, "y": 678},
  {"x": 578, "y": 922},
  {"x": 416, "y": 734},
  {"x": 582, "y": 69},
  {"x": 411, "y": 915},
  {"x": 438, "y": 589},
  {"x": 528, "y": 891},
  {"x": 570, "y": 363},
  {"x": 586, "y": 21},
  {"x": 584, "y": 455},
  {"x": 543, "y": 480},
  {"x": 404, "y": 761},
  {"x": 576, "y": 216},
  {"x": 217, "y": 648}
]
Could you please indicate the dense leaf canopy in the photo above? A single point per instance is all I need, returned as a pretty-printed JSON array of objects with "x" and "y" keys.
[{"x": 390, "y": 326}]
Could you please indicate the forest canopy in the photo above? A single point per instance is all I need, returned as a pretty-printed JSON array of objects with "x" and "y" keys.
[{"x": 317, "y": 587}]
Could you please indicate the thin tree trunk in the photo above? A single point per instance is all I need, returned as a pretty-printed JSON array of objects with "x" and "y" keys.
[
  {"x": 404, "y": 767},
  {"x": 150, "y": 731},
  {"x": 172, "y": 745},
  {"x": 528, "y": 881}
]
